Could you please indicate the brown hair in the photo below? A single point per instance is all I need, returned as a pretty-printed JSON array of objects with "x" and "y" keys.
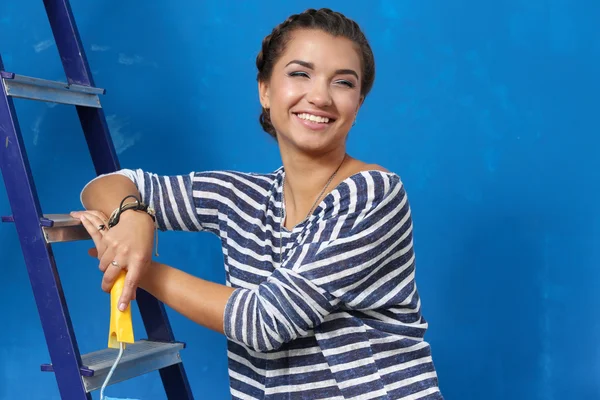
[{"x": 324, "y": 19}]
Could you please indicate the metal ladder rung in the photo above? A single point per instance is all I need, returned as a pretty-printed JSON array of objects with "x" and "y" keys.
[
  {"x": 139, "y": 358},
  {"x": 26, "y": 87},
  {"x": 63, "y": 228},
  {"x": 60, "y": 228}
]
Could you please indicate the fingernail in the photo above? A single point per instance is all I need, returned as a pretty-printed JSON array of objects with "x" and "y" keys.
[{"x": 122, "y": 307}]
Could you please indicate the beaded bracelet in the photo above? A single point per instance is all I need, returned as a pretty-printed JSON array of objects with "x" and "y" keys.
[{"x": 136, "y": 205}]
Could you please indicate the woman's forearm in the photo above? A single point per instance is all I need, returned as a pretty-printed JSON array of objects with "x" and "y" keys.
[
  {"x": 201, "y": 301},
  {"x": 106, "y": 193}
]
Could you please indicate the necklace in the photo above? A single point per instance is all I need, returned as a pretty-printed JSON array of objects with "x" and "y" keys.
[{"x": 309, "y": 211}]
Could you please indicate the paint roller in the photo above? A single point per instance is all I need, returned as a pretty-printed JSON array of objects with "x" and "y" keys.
[{"x": 120, "y": 330}]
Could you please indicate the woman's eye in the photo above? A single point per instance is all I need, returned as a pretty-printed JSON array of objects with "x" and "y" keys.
[
  {"x": 303, "y": 74},
  {"x": 347, "y": 83},
  {"x": 298, "y": 73}
]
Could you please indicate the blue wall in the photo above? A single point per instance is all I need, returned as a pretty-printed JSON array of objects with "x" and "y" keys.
[{"x": 488, "y": 110}]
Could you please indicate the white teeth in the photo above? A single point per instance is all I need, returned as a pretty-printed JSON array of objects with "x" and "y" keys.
[{"x": 314, "y": 118}]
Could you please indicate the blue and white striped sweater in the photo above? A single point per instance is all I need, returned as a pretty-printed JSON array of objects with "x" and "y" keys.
[{"x": 340, "y": 317}]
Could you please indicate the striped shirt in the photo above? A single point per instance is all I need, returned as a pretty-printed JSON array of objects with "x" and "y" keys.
[{"x": 326, "y": 310}]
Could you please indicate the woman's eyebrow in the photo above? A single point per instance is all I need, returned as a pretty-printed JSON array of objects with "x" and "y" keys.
[{"x": 310, "y": 65}]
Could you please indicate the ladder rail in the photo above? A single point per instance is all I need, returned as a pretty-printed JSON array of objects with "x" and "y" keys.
[
  {"x": 77, "y": 71},
  {"x": 37, "y": 232},
  {"x": 104, "y": 157},
  {"x": 38, "y": 255}
]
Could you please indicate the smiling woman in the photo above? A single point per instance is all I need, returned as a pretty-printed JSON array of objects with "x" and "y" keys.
[
  {"x": 313, "y": 93},
  {"x": 321, "y": 299}
]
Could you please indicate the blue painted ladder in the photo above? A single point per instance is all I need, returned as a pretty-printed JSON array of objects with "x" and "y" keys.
[{"x": 77, "y": 375}]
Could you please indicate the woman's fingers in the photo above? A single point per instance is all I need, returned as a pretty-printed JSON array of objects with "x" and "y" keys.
[
  {"x": 91, "y": 226},
  {"x": 99, "y": 214},
  {"x": 126, "y": 246},
  {"x": 107, "y": 258},
  {"x": 132, "y": 280},
  {"x": 110, "y": 276},
  {"x": 113, "y": 256},
  {"x": 93, "y": 252},
  {"x": 97, "y": 217}
]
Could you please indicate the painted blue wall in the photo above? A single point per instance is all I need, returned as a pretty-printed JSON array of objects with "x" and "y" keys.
[{"x": 488, "y": 110}]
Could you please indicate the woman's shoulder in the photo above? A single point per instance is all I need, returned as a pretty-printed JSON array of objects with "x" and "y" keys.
[
  {"x": 364, "y": 196},
  {"x": 371, "y": 180},
  {"x": 363, "y": 187},
  {"x": 359, "y": 167},
  {"x": 363, "y": 166}
]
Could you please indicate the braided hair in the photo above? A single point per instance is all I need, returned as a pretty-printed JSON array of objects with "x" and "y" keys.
[{"x": 326, "y": 20}]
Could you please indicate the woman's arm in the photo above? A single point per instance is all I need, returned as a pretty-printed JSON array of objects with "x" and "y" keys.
[
  {"x": 201, "y": 301},
  {"x": 106, "y": 192},
  {"x": 191, "y": 202},
  {"x": 130, "y": 242}
]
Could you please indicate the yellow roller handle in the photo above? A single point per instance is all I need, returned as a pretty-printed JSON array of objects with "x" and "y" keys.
[{"x": 121, "y": 327}]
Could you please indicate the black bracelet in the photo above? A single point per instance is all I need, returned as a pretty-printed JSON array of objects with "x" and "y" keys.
[{"x": 137, "y": 206}]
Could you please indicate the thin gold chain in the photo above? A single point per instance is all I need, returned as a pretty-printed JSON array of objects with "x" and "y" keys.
[{"x": 311, "y": 209}]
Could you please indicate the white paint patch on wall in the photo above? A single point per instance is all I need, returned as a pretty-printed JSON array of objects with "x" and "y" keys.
[
  {"x": 43, "y": 45},
  {"x": 35, "y": 127},
  {"x": 121, "y": 138},
  {"x": 129, "y": 60},
  {"x": 98, "y": 47}
]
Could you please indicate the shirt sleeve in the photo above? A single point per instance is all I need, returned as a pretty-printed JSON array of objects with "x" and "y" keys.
[
  {"x": 367, "y": 265},
  {"x": 198, "y": 201}
]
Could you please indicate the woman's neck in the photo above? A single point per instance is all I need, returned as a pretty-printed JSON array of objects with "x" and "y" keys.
[{"x": 305, "y": 179}]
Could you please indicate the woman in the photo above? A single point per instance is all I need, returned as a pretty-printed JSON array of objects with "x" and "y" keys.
[{"x": 320, "y": 300}]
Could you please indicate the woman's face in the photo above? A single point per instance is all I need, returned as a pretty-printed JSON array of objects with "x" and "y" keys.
[{"x": 314, "y": 91}]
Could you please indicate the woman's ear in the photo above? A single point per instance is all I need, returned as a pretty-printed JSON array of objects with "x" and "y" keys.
[
  {"x": 263, "y": 94},
  {"x": 360, "y": 103}
]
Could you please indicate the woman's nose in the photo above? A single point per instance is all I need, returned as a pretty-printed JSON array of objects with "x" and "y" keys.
[{"x": 319, "y": 95}]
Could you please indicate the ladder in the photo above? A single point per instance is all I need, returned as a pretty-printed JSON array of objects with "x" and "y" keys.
[{"x": 76, "y": 375}]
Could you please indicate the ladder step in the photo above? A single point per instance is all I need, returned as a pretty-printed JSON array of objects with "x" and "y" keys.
[
  {"x": 63, "y": 228},
  {"x": 26, "y": 87},
  {"x": 59, "y": 228},
  {"x": 138, "y": 359}
]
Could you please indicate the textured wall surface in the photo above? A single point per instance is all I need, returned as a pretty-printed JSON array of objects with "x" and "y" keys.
[{"x": 488, "y": 110}]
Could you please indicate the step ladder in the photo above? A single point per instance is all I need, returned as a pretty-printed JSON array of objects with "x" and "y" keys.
[{"x": 77, "y": 375}]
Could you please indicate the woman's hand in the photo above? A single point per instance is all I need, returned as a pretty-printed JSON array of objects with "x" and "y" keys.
[
  {"x": 127, "y": 245},
  {"x": 95, "y": 222}
]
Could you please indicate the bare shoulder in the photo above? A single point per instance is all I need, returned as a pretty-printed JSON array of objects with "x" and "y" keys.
[
  {"x": 354, "y": 167},
  {"x": 357, "y": 166},
  {"x": 375, "y": 167}
]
